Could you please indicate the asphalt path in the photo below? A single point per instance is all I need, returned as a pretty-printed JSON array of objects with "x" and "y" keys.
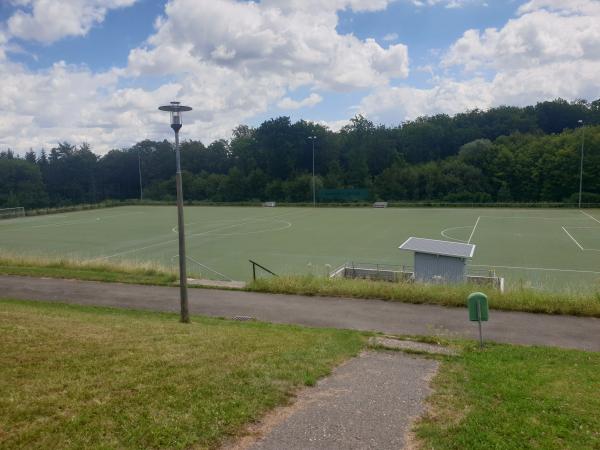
[
  {"x": 368, "y": 403},
  {"x": 370, "y": 315}
]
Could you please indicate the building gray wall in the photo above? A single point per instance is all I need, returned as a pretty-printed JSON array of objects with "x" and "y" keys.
[{"x": 430, "y": 268}]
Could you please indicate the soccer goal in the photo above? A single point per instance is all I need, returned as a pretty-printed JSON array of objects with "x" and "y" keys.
[{"x": 9, "y": 213}]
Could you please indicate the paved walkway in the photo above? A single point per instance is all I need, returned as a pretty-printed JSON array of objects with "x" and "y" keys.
[
  {"x": 369, "y": 402},
  {"x": 388, "y": 317}
]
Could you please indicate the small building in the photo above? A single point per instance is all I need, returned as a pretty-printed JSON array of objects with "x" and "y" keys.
[{"x": 439, "y": 261}]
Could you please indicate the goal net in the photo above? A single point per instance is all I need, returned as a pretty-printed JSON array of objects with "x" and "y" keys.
[{"x": 8, "y": 213}]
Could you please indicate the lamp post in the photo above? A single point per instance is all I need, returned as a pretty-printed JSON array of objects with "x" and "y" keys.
[
  {"x": 175, "y": 108},
  {"x": 581, "y": 162},
  {"x": 313, "y": 139},
  {"x": 140, "y": 172}
]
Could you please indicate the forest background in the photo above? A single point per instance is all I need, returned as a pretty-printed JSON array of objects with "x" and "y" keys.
[{"x": 505, "y": 154}]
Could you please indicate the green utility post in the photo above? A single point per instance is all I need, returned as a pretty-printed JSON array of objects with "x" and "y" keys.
[{"x": 478, "y": 311}]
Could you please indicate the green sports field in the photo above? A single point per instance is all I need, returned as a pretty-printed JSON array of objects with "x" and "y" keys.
[{"x": 556, "y": 249}]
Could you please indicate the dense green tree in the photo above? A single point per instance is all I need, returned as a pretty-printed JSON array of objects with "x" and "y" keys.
[
  {"x": 503, "y": 154},
  {"x": 21, "y": 184}
]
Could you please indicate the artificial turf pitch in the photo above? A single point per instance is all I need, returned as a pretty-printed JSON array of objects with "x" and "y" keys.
[{"x": 556, "y": 249}]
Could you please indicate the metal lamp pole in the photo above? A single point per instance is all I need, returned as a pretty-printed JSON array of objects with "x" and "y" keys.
[
  {"x": 581, "y": 162},
  {"x": 175, "y": 108},
  {"x": 140, "y": 172},
  {"x": 313, "y": 138}
]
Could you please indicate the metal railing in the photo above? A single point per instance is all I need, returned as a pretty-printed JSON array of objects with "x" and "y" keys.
[{"x": 255, "y": 264}]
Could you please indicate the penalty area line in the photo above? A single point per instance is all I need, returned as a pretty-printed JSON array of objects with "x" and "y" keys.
[
  {"x": 548, "y": 269},
  {"x": 474, "y": 228},
  {"x": 573, "y": 239},
  {"x": 589, "y": 215}
]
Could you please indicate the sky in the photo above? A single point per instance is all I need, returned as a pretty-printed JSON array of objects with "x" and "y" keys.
[{"x": 96, "y": 71}]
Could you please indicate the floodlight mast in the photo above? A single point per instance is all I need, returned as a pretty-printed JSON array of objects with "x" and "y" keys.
[
  {"x": 175, "y": 108},
  {"x": 313, "y": 139},
  {"x": 581, "y": 161}
]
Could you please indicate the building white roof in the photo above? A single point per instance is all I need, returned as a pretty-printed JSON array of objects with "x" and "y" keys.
[{"x": 435, "y": 247}]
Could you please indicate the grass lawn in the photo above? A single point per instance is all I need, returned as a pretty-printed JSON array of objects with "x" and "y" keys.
[
  {"x": 510, "y": 397},
  {"x": 82, "y": 377}
]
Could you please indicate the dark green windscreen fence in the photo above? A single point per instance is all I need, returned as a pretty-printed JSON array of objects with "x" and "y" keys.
[{"x": 343, "y": 195}]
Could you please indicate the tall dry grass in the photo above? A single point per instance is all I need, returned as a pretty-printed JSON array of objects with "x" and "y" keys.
[{"x": 518, "y": 299}]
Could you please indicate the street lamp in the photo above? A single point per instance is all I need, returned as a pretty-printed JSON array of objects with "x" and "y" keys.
[
  {"x": 140, "y": 173},
  {"x": 581, "y": 162},
  {"x": 313, "y": 139},
  {"x": 175, "y": 108}
]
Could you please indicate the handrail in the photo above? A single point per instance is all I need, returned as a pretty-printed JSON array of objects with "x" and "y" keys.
[{"x": 254, "y": 264}]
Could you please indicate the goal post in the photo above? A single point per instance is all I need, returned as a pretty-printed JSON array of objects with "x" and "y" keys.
[{"x": 9, "y": 213}]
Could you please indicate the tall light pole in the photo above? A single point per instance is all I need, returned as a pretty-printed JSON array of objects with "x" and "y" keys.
[
  {"x": 581, "y": 162},
  {"x": 140, "y": 172},
  {"x": 175, "y": 108},
  {"x": 313, "y": 139}
]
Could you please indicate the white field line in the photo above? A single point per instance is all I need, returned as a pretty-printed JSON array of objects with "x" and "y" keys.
[
  {"x": 535, "y": 268},
  {"x": 168, "y": 241},
  {"x": 80, "y": 221},
  {"x": 532, "y": 217},
  {"x": 590, "y": 216},
  {"x": 139, "y": 249},
  {"x": 120, "y": 215},
  {"x": 69, "y": 222},
  {"x": 474, "y": 228},
  {"x": 191, "y": 235},
  {"x": 443, "y": 233},
  {"x": 204, "y": 266},
  {"x": 174, "y": 229},
  {"x": 574, "y": 240}
]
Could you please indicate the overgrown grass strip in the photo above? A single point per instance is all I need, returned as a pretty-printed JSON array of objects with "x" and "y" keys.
[
  {"x": 86, "y": 269},
  {"x": 520, "y": 299}
]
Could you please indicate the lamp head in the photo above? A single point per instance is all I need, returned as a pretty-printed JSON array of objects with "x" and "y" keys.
[{"x": 175, "y": 108}]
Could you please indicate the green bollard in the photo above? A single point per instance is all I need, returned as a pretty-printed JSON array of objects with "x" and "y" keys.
[{"x": 478, "y": 311}]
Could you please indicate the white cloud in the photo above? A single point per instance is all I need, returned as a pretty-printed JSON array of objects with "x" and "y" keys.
[
  {"x": 235, "y": 60},
  {"x": 48, "y": 21},
  {"x": 311, "y": 100},
  {"x": 229, "y": 60},
  {"x": 450, "y": 4},
  {"x": 551, "y": 49},
  {"x": 391, "y": 37},
  {"x": 284, "y": 39},
  {"x": 333, "y": 125},
  {"x": 535, "y": 37}
]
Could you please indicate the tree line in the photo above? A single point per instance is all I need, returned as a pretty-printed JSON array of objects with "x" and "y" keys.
[{"x": 505, "y": 154}]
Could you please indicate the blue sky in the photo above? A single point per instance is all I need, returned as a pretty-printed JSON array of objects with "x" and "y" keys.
[{"x": 110, "y": 63}]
